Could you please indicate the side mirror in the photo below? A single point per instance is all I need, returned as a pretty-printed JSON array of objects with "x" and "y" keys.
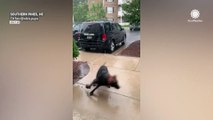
[{"x": 122, "y": 29}]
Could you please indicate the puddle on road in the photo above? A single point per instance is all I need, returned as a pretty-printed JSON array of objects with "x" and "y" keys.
[{"x": 83, "y": 70}]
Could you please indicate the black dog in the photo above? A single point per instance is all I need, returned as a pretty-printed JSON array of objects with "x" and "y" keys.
[{"x": 103, "y": 78}]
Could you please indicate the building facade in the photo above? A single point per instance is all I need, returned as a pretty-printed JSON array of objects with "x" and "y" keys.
[{"x": 113, "y": 8}]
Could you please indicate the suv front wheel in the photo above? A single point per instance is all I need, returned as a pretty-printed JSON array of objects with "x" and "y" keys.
[{"x": 124, "y": 40}]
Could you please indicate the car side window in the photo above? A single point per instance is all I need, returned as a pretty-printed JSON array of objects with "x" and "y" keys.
[
  {"x": 118, "y": 27},
  {"x": 114, "y": 27}
]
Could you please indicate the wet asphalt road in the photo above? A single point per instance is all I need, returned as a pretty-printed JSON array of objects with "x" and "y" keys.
[{"x": 132, "y": 36}]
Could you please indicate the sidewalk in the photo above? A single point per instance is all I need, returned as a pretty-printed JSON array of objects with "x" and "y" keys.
[{"x": 109, "y": 104}]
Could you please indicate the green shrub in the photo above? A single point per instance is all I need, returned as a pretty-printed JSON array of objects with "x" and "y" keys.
[{"x": 75, "y": 49}]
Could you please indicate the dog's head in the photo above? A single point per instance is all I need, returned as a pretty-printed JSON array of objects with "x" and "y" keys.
[{"x": 114, "y": 82}]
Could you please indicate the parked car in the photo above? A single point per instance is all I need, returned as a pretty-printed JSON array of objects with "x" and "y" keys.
[
  {"x": 134, "y": 27},
  {"x": 103, "y": 35},
  {"x": 76, "y": 30}
]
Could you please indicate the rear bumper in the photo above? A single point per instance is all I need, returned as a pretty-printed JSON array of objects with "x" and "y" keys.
[{"x": 93, "y": 44}]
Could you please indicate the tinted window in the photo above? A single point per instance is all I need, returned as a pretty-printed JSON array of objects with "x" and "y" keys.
[
  {"x": 114, "y": 27},
  {"x": 118, "y": 27},
  {"x": 91, "y": 28},
  {"x": 107, "y": 27}
]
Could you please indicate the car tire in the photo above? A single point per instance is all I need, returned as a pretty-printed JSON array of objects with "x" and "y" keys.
[
  {"x": 112, "y": 46},
  {"x": 87, "y": 49},
  {"x": 103, "y": 50},
  {"x": 133, "y": 29},
  {"x": 124, "y": 40}
]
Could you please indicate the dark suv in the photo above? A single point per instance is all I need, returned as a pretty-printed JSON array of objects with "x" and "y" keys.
[{"x": 103, "y": 35}]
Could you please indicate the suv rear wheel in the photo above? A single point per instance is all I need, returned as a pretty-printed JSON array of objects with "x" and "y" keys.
[
  {"x": 87, "y": 49},
  {"x": 112, "y": 46}
]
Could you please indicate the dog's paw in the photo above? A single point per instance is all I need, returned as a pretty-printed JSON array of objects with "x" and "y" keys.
[
  {"x": 91, "y": 93},
  {"x": 87, "y": 86}
]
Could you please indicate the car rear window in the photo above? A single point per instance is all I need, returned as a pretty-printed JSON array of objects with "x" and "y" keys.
[{"x": 91, "y": 28}]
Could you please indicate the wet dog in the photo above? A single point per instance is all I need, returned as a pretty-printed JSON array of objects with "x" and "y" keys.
[{"x": 103, "y": 78}]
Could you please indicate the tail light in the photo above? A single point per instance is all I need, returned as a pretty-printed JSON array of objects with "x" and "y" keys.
[
  {"x": 104, "y": 37},
  {"x": 79, "y": 36}
]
